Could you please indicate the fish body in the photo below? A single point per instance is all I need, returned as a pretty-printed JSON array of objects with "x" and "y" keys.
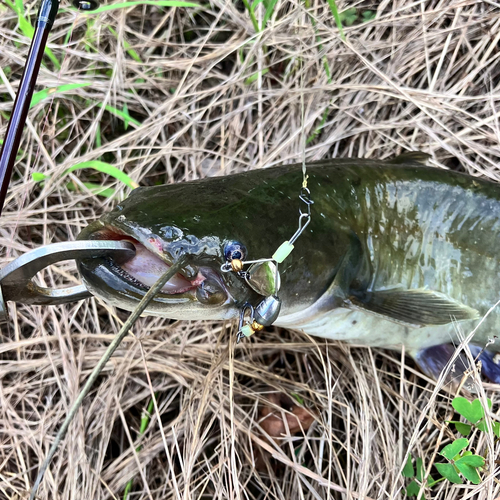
[{"x": 396, "y": 253}]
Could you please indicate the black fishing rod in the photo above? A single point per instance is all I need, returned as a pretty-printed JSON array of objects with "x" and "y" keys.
[
  {"x": 45, "y": 19},
  {"x": 16, "y": 278}
]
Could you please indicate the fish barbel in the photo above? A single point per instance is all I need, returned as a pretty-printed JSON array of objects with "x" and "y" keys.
[{"x": 396, "y": 253}]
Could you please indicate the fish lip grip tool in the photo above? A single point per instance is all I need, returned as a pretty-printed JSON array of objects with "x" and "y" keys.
[{"x": 16, "y": 278}]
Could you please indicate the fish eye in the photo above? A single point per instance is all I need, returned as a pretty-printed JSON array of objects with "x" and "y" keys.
[{"x": 235, "y": 250}]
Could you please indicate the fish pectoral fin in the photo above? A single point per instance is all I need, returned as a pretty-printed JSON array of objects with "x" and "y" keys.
[
  {"x": 415, "y": 307},
  {"x": 411, "y": 157}
]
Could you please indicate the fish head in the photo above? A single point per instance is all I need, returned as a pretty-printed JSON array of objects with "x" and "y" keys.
[{"x": 204, "y": 223}]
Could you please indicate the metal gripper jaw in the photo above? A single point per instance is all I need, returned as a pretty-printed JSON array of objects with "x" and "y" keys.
[{"x": 16, "y": 278}]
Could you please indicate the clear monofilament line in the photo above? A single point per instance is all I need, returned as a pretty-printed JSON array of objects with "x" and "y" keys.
[
  {"x": 303, "y": 132},
  {"x": 100, "y": 365}
]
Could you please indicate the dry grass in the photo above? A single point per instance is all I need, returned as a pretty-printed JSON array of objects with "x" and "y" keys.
[{"x": 423, "y": 75}]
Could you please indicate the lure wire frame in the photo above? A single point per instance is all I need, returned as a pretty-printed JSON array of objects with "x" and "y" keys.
[{"x": 304, "y": 220}]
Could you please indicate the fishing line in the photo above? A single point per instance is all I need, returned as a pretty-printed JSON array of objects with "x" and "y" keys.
[
  {"x": 303, "y": 134},
  {"x": 169, "y": 274},
  {"x": 263, "y": 275}
]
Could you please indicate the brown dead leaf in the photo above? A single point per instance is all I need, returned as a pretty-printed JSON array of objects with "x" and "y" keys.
[{"x": 297, "y": 418}]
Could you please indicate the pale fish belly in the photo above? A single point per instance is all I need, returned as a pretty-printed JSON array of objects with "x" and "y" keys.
[{"x": 359, "y": 327}]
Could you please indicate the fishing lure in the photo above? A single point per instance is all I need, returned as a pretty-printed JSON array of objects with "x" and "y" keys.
[{"x": 263, "y": 275}]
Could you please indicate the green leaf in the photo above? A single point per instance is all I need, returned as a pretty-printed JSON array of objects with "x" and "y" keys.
[
  {"x": 133, "y": 3},
  {"x": 43, "y": 94},
  {"x": 298, "y": 398},
  {"x": 454, "y": 448},
  {"x": 469, "y": 472},
  {"x": 38, "y": 176},
  {"x": 420, "y": 470},
  {"x": 349, "y": 16},
  {"x": 105, "y": 168},
  {"x": 481, "y": 425},
  {"x": 120, "y": 114},
  {"x": 369, "y": 15},
  {"x": 496, "y": 428},
  {"x": 464, "y": 429},
  {"x": 408, "y": 470},
  {"x": 413, "y": 489},
  {"x": 471, "y": 411},
  {"x": 472, "y": 460},
  {"x": 448, "y": 471},
  {"x": 484, "y": 428}
]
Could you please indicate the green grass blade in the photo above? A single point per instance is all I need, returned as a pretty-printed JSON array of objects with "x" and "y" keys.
[
  {"x": 105, "y": 168},
  {"x": 28, "y": 30},
  {"x": 297, "y": 397},
  {"x": 38, "y": 176},
  {"x": 252, "y": 15},
  {"x": 43, "y": 94},
  {"x": 145, "y": 419},
  {"x": 133, "y": 3},
  {"x": 269, "y": 12},
  {"x": 125, "y": 111},
  {"x": 254, "y": 77},
  {"x": 107, "y": 192},
  {"x": 67, "y": 38},
  {"x": 335, "y": 13},
  {"x": 120, "y": 114},
  {"x": 319, "y": 127},
  {"x": 98, "y": 139},
  {"x": 131, "y": 52}
]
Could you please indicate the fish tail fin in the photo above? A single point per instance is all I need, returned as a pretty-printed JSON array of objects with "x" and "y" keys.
[
  {"x": 490, "y": 362},
  {"x": 433, "y": 360}
]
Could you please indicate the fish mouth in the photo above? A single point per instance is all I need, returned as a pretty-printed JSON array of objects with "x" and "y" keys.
[
  {"x": 151, "y": 262},
  {"x": 146, "y": 268}
]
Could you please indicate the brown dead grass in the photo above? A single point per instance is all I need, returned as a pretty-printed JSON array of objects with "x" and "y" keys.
[{"x": 423, "y": 75}]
